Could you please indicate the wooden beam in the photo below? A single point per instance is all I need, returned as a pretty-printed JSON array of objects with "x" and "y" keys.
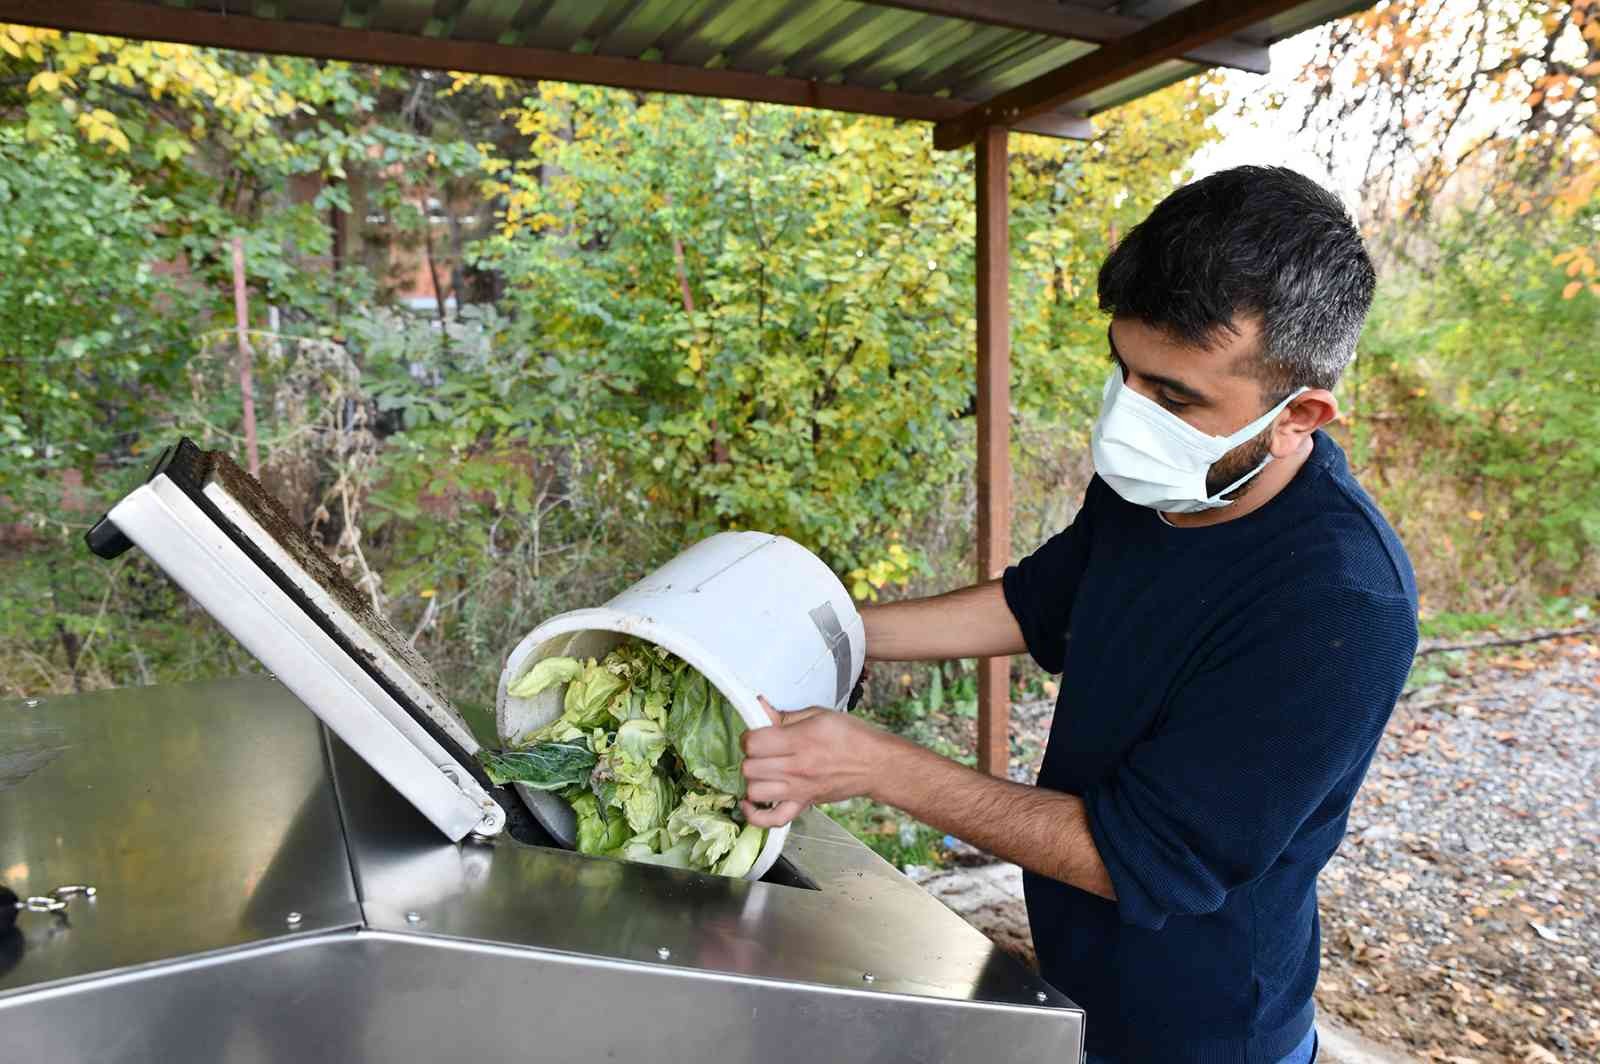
[
  {"x": 152, "y": 21},
  {"x": 1168, "y": 38},
  {"x": 1083, "y": 24},
  {"x": 994, "y": 429}
]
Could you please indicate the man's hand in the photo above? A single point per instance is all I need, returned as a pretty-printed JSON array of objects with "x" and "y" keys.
[
  {"x": 808, "y": 756},
  {"x": 818, "y": 755}
]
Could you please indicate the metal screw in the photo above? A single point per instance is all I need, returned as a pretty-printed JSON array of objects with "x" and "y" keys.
[
  {"x": 1041, "y": 997},
  {"x": 868, "y": 977},
  {"x": 663, "y": 952},
  {"x": 413, "y": 917},
  {"x": 292, "y": 919},
  {"x": 30, "y": 702}
]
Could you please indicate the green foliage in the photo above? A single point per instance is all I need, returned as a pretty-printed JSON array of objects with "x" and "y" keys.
[
  {"x": 892, "y": 835},
  {"x": 1546, "y": 612},
  {"x": 817, "y": 385},
  {"x": 84, "y": 326},
  {"x": 1491, "y": 372},
  {"x": 765, "y": 316}
]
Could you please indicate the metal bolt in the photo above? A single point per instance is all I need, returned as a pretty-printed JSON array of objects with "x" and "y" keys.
[
  {"x": 30, "y": 702},
  {"x": 868, "y": 977},
  {"x": 413, "y": 917},
  {"x": 74, "y": 890},
  {"x": 663, "y": 952},
  {"x": 1041, "y": 997},
  {"x": 292, "y": 919}
]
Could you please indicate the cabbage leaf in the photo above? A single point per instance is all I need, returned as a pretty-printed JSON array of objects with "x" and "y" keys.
[
  {"x": 547, "y": 766},
  {"x": 704, "y": 728},
  {"x": 647, "y": 753}
]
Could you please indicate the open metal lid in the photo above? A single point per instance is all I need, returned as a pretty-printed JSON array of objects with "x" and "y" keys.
[{"x": 232, "y": 547}]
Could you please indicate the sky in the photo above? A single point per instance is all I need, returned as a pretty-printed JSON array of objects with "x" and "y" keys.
[{"x": 1264, "y": 137}]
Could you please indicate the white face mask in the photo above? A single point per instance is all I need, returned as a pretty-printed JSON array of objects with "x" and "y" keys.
[{"x": 1152, "y": 457}]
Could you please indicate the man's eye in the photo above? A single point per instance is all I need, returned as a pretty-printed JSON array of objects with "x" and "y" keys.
[{"x": 1173, "y": 404}]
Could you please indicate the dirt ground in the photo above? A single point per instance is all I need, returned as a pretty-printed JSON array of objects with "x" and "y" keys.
[{"x": 1461, "y": 917}]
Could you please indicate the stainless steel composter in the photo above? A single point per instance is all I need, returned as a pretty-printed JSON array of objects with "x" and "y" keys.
[{"x": 348, "y": 886}]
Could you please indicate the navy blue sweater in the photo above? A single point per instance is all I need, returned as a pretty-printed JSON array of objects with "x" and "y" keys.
[{"x": 1224, "y": 688}]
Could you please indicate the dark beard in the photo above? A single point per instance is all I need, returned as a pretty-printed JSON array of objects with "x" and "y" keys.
[{"x": 1236, "y": 463}]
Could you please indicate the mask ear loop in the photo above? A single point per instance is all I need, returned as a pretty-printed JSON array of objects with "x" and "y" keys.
[{"x": 1268, "y": 417}]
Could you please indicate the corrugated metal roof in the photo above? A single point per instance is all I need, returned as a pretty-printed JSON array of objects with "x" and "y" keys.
[{"x": 898, "y": 47}]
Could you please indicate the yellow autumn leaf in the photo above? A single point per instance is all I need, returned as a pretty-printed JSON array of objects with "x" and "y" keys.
[
  {"x": 1474, "y": 515},
  {"x": 45, "y": 81},
  {"x": 1572, "y": 289},
  {"x": 427, "y": 592}
]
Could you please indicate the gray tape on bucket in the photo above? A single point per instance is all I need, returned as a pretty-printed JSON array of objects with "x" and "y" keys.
[{"x": 827, "y": 622}]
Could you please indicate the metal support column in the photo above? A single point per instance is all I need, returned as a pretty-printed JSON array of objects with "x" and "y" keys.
[{"x": 994, "y": 429}]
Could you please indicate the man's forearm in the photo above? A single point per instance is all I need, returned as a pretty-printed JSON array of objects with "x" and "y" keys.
[
  {"x": 1044, "y": 831},
  {"x": 974, "y": 622}
]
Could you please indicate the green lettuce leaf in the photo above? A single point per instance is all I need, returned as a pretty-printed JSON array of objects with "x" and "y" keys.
[
  {"x": 597, "y": 833},
  {"x": 547, "y": 766},
  {"x": 646, "y": 805},
  {"x": 642, "y": 741},
  {"x": 702, "y": 820},
  {"x": 546, "y": 673},
  {"x": 745, "y": 850},
  {"x": 589, "y": 696},
  {"x": 704, "y": 729},
  {"x": 643, "y": 848}
]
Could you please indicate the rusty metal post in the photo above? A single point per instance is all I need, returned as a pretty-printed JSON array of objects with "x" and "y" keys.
[
  {"x": 994, "y": 429},
  {"x": 241, "y": 315}
]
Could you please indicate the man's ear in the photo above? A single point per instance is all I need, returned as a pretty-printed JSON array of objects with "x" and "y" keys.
[{"x": 1305, "y": 414}]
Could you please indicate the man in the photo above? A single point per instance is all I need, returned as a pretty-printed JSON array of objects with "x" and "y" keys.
[{"x": 1233, "y": 619}]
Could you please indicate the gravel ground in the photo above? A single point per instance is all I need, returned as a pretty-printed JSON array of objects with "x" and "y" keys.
[{"x": 1461, "y": 917}]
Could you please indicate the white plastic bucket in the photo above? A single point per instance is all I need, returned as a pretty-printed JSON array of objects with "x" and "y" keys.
[{"x": 756, "y": 613}]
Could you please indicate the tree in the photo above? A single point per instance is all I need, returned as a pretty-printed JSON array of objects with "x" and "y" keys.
[{"x": 766, "y": 314}]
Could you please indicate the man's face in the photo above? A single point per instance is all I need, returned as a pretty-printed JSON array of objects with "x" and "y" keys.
[{"x": 1212, "y": 390}]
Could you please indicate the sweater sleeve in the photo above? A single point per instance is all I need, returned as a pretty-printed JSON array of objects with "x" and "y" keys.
[
  {"x": 1040, "y": 589},
  {"x": 1285, "y": 716}
]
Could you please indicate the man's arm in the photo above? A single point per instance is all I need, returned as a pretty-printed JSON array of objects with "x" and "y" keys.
[
  {"x": 820, "y": 756},
  {"x": 974, "y": 622}
]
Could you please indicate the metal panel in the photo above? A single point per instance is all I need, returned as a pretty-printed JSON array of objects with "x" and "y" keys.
[
  {"x": 203, "y": 814},
  {"x": 502, "y": 949},
  {"x": 820, "y": 53},
  {"x": 374, "y": 997},
  {"x": 863, "y": 919}
]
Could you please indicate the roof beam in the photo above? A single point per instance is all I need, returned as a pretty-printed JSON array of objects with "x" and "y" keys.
[
  {"x": 1167, "y": 38},
  {"x": 1082, "y": 24},
  {"x": 150, "y": 21}
]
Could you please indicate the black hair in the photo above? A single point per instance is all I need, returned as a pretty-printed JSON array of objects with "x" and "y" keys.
[{"x": 1253, "y": 241}]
